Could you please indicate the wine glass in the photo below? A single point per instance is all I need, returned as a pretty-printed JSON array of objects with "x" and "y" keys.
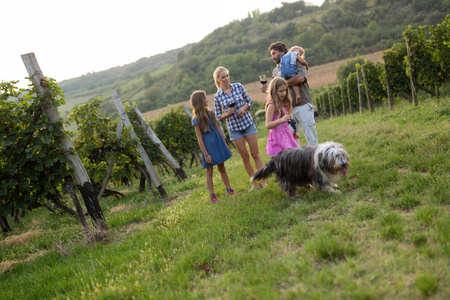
[{"x": 263, "y": 80}]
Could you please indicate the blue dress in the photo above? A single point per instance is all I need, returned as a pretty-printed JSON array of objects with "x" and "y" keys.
[
  {"x": 214, "y": 144},
  {"x": 288, "y": 65}
]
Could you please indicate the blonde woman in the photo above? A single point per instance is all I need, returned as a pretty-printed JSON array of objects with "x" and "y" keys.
[{"x": 232, "y": 103}]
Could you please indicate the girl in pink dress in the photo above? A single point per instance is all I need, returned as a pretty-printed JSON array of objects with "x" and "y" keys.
[{"x": 278, "y": 113}]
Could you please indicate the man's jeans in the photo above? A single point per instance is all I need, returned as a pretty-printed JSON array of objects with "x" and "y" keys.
[{"x": 304, "y": 116}]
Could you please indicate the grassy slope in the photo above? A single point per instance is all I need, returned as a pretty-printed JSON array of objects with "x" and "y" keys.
[{"x": 386, "y": 236}]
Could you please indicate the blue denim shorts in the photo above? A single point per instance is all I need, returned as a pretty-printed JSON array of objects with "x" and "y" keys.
[{"x": 235, "y": 135}]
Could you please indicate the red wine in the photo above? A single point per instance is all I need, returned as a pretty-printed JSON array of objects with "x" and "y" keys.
[{"x": 263, "y": 82}]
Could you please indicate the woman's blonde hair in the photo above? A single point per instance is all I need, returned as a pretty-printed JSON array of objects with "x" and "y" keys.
[
  {"x": 216, "y": 76},
  {"x": 201, "y": 112},
  {"x": 299, "y": 50},
  {"x": 274, "y": 85}
]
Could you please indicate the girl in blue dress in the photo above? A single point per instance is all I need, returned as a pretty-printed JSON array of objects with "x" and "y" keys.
[{"x": 215, "y": 150}]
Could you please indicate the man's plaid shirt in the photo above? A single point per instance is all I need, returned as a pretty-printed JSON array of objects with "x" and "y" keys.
[{"x": 239, "y": 96}]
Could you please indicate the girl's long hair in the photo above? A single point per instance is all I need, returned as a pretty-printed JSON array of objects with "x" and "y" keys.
[
  {"x": 274, "y": 85},
  {"x": 201, "y": 112},
  {"x": 216, "y": 76}
]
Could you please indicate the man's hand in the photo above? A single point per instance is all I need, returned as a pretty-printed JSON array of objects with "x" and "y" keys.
[{"x": 263, "y": 88}]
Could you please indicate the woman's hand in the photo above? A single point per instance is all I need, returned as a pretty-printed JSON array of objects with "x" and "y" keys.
[
  {"x": 208, "y": 159},
  {"x": 230, "y": 111},
  {"x": 242, "y": 111}
]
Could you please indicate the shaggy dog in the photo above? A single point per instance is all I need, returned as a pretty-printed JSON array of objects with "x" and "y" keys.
[{"x": 317, "y": 165}]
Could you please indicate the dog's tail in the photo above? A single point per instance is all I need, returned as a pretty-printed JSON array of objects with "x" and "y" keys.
[{"x": 264, "y": 172}]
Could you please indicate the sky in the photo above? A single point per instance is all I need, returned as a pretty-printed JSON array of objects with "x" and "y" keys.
[{"x": 74, "y": 37}]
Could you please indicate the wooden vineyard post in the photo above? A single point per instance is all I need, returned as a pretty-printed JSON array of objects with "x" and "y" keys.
[
  {"x": 119, "y": 131},
  {"x": 334, "y": 101},
  {"x": 148, "y": 164},
  {"x": 366, "y": 87},
  {"x": 343, "y": 100},
  {"x": 388, "y": 89},
  {"x": 359, "y": 92},
  {"x": 187, "y": 111},
  {"x": 350, "y": 107},
  {"x": 324, "y": 108},
  {"x": 148, "y": 130},
  {"x": 324, "y": 102},
  {"x": 329, "y": 102},
  {"x": 412, "y": 77},
  {"x": 81, "y": 177},
  {"x": 71, "y": 189}
]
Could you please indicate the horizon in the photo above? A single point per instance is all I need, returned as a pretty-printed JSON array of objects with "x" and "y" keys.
[{"x": 108, "y": 34}]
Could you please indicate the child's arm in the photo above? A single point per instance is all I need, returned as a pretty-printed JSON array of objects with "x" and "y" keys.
[
  {"x": 296, "y": 80},
  {"x": 270, "y": 122},
  {"x": 199, "y": 135},
  {"x": 302, "y": 61}
]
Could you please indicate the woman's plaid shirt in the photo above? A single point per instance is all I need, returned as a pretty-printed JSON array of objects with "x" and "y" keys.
[{"x": 239, "y": 96}]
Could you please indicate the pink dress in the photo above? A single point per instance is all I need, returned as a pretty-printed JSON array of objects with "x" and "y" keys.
[{"x": 280, "y": 137}]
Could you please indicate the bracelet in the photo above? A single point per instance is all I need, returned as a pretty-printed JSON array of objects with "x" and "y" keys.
[{"x": 207, "y": 155}]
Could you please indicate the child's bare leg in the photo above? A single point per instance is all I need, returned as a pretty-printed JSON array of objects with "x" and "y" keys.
[
  {"x": 209, "y": 180},
  {"x": 224, "y": 175}
]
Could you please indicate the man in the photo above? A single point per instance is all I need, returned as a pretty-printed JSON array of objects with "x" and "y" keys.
[{"x": 302, "y": 113}]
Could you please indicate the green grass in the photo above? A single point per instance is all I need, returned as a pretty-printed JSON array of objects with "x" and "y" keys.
[{"x": 387, "y": 236}]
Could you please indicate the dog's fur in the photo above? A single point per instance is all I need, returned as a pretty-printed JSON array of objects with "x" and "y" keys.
[{"x": 317, "y": 165}]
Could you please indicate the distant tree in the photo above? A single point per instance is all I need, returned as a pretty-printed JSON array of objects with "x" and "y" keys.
[
  {"x": 332, "y": 16},
  {"x": 373, "y": 33},
  {"x": 310, "y": 34},
  {"x": 354, "y": 6},
  {"x": 328, "y": 47},
  {"x": 181, "y": 55},
  {"x": 289, "y": 31},
  {"x": 429, "y": 5},
  {"x": 147, "y": 79},
  {"x": 152, "y": 94}
]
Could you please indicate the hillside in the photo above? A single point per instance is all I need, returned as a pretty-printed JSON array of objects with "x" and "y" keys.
[
  {"x": 335, "y": 31},
  {"x": 318, "y": 77}
]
